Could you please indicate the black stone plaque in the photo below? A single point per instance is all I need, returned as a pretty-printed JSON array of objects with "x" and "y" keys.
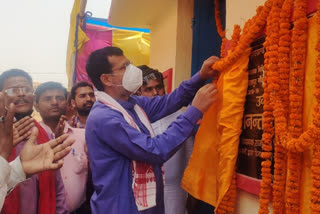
[{"x": 249, "y": 161}]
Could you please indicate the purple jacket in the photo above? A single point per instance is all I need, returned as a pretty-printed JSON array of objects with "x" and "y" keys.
[{"x": 113, "y": 143}]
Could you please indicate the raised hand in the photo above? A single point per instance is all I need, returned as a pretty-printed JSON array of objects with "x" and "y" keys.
[
  {"x": 46, "y": 156},
  {"x": 205, "y": 97},
  {"x": 6, "y": 121},
  {"x": 60, "y": 127},
  {"x": 72, "y": 122},
  {"x": 206, "y": 70},
  {"x": 21, "y": 129}
]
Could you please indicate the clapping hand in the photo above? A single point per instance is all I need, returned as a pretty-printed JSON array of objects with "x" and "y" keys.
[
  {"x": 72, "y": 122},
  {"x": 21, "y": 129},
  {"x": 46, "y": 156},
  {"x": 6, "y": 121},
  {"x": 60, "y": 127}
]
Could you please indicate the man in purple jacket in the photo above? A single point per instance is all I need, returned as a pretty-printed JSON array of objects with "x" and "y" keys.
[{"x": 125, "y": 155}]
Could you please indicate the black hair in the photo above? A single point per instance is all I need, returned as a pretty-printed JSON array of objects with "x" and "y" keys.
[
  {"x": 49, "y": 86},
  {"x": 79, "y": 85},
  {"x": 14, "y": 73},
  {"x": 98, "y": 64},
  {"x": 146, "y": 71}
]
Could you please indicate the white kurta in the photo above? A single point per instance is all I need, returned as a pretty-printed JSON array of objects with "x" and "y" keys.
[
  {"x": 174, "y": 196},
  {"x": 10, "y": 175}
]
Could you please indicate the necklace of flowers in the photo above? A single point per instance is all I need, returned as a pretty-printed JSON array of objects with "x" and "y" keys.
[
  {"x": 281, "y": 103},
  {"x": 315, "y": 167},
  {"x": 296, "y": 91},
  {"x": 250, "y": 31},
  {"x": 271, "y": 69},
  {"x": 268, "y": 132},
  {"x": 217, "y": 16}
]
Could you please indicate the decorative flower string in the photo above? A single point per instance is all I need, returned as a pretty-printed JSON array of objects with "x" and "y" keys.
[
  {"x": 250, "y": 33},
  {"x": 272, "y": 71},
  {"x": 281, "y": 103},
  {"x": 223, "y": 47},
  {"x": 227, "y": 204},
  {"x": 296, "y": 90},
  {"x": 268, "y": 132},
  {"x": 217, "y": 16},
  {"x": 287, "y": 125},
  {"x": 235, "y": 37},
  {"x": 315, "y": 167},
  {"x": 295, "y": 141}
]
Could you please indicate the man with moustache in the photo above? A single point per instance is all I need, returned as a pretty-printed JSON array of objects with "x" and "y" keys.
[
  {"x": 82, "y": 99},
  {"x": 51, "y": 103},
  {"x": 125, "y": 155},
  {"x": 43, "y": 193},
  {"x": 33, "y": 158}
]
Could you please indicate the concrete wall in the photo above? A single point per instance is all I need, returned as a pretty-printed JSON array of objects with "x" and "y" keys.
[
  {"x": 238, "y": 12},
  {"x": 184, "y": 42},
  {"x": 171, "y": 40},
  {"x": 163, "y": 33}
]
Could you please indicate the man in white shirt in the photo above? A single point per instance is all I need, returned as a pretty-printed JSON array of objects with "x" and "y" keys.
[
  {"x": 174, "y": 196},
  {"x": 33, "y": 158}
]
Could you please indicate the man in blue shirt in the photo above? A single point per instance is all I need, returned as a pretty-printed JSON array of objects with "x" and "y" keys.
[{"x": 125, "y": 155}]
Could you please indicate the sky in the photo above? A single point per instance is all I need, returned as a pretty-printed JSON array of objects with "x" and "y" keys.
[{"x": 34, "y": 35}]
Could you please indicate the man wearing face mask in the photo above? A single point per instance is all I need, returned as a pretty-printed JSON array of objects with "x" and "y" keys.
[{"x": 126, "y": 158}]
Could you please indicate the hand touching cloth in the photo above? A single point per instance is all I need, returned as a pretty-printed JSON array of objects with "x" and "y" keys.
[{"x": 210, "y": 169}]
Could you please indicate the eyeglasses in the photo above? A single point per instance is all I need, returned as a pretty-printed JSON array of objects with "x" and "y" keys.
[
  {"x": 123, "y": 67},
  {"x": 152, "y": 76},
  {"x": 17, "y": 90}
]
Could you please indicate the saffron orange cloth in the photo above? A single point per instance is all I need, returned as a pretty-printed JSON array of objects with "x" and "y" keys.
[
  {"x": 212, "y": 163},
  {"x": 309, "y": 101}
]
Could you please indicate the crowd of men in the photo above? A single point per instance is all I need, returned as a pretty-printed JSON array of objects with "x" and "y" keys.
[{"x": 118, "y": 139}]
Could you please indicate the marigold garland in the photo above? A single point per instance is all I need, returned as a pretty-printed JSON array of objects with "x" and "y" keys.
[
  {"x": 235, "y": 37},
  {"x": 268, "y": 132},
  {"x": 227, "y": 204},
  {"x": 281, "y": 103},
  {"x": 296, "y": 88},
  {"x": 250, "y": 33},
  {"x": 315, "y": 191},
  {"x": 217, "y": 16},
  {"x": 223, "y": 47},
  {"x": 272, "y": 57},
  {"x": 283, "y": 99}
]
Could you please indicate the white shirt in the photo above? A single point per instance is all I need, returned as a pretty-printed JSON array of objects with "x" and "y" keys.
[
  {"x": 174, "y": 196},
  {"x": 10, "y": 175}
]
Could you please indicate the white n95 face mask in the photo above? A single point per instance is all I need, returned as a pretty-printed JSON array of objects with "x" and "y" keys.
[{"x": 132, "y": 78}]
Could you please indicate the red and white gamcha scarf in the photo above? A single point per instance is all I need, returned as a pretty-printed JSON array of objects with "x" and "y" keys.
[{"x": 143, "y": 177}]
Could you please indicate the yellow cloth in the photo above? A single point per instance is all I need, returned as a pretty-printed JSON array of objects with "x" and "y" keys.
[
  {"x": 309, "y": 101},
  {"x": 82, "y": 38},
  {"x": 212, "y": 163},
  {"x": 135, "y": 45}
]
